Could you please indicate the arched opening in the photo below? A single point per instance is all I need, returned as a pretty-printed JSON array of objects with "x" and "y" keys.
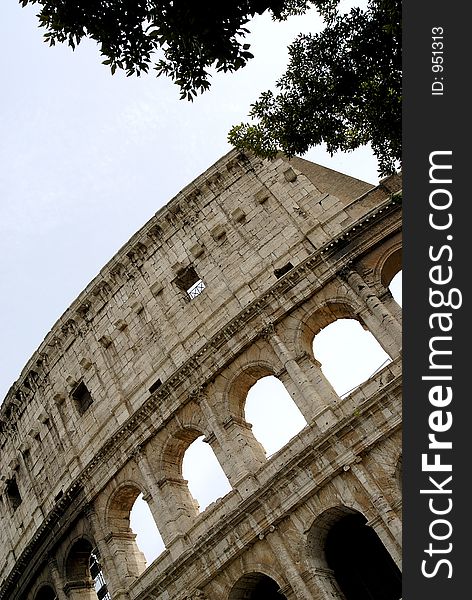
[
  {"x": 395, "y": 287},
  {"x": 274, "y": 416},
  {"x": 142, "y": 524},
  {"x": 46, "y": 592},
  {"x": 206, "y": 479},
  {"x": 84, "y": 572},
  {"x": 362, "y": 566},
  {"x": 391, "y": 267},
  {"x": 135, "y": 533},
  {"x": 348, "y": 354},
  {"x": 78, "y": 560},
  {"x": 256, "y": 586}
]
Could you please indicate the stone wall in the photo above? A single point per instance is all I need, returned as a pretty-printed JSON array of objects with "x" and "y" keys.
[{"x": 229, "y": 282}]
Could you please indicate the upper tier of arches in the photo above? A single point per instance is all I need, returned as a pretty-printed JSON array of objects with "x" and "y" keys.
[{"x": 135, "y": 373}]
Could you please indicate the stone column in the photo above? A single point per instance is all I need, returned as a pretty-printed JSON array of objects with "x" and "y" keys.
[
  {"x": 171, "y": 504},
  {"x": 51, "y": 436},
  {"x": 237, "y": 450},
  {"x": 32, "y": 482},
  {"x": 388, "y": 526},
  {"x": 61, "y": 412},
  {"x": 178, "y": 515},
  {"x": 127, "y": 555},
  {"x": 286, "y": 562},
  {"x": 153, "y": 497},
  {"x": 384, "y": 326},
  {"x": 114, "y": 573},
  {"x": 56, "y": 579},
  {"x": 324, "y": 584},
  {"x": 288, "y": 592},
  {"x": 387, "y": 299},
  {"x": 314, "y": 402},
  {"x": 80, "y": 590}
]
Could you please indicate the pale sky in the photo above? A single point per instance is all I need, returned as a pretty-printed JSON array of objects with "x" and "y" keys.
[{"x": 86, "y": 159}]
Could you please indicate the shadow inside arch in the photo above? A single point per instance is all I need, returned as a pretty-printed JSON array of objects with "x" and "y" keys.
[
  {"x": 256, "y": 586},
  {"x": 341, "y": 541}
]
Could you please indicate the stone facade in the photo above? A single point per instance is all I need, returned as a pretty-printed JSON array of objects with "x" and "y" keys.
[{"x": 227, "y": 283}]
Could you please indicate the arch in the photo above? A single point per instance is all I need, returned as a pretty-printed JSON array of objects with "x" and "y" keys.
[
  {"x": 181, "y": 508},
  {"x": 207, "y": 482},
  {"x": 323, "y": 315},
  {"x": 240, "y": 384},
  {"x": 349, "y": 355},
  {"x": 361, "y": 564},
  {"x": 390, "y": 265},
  {"x": 256, "y": 586},
  {"x": 272, "y": 413},
  {"x": 46, "y": 592},
  {"x": 120, "y": 505},
  {"x": 78, "y": 560},
  {"x": 174, "y": 451},
  {"x": 135, "y": 532},
  {"x": 319, "y": 530},
  {"x": 165, "y": 451},
  {"x": 341, "y": 541},
  {"x": 84, "y": 573}
]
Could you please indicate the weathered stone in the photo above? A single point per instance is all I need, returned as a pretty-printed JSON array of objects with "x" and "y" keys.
[{"x": 138, "y": 367}]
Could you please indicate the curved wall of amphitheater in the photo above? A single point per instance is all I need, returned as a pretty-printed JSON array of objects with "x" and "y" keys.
[{"x": 139, "y": 367}]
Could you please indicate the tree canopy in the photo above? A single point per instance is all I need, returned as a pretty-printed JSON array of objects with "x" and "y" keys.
[
  {"x": 179, "y": 38},
  {"x": 342, "y": 86}
]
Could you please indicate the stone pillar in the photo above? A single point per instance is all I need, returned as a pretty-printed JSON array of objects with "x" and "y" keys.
[
  {"x": 154, "y": 496},
  {"x": 177, "y": 515},
  {"x": 384, "y": 326},
  {"x": 287, "y": 592},
  {"x": 387, "y": 299},
  {"x": 171, "y": 504},
  {"x": 286, "y": 562},
  {"x": 65, "y": 419},
  {"x": 33, "y": 484},
  {"x": 114, "y": 574},
  {"x": 387, "y": 525},
  {"x": 242, "y": 447},
  {"x": 313, "y": 371},
  {"x": 80, "y": 590},
  {"x": 125, "y": 552},
  {"x": 323, "y": 583},
  {"x": 56, "y": 579},
  {"x": 314, "y": 402},
  {"x": 237, "y": 450}
]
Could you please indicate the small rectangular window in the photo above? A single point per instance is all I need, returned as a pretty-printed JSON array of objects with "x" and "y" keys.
[
  {"x": 13, "y": 493},
  {"x": 188, "y": 281},
  {"x": 285, "y": 269},
  {"x": 82, "y": 397},
  {"x": 157, "y": 384}
]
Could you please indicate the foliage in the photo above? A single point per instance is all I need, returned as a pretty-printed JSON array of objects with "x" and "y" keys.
[
  {"x": 342, "y": 87},
  {"x": 181, "y": 38}
]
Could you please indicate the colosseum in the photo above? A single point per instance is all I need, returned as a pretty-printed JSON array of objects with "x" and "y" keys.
[{"x": 227, "y": 284}]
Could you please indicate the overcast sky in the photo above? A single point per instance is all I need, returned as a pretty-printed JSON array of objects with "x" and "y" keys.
[{"x": 86, "y": 159}]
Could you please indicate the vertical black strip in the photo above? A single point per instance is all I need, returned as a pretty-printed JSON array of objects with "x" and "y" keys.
[{"x": 436, "y": 305}]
